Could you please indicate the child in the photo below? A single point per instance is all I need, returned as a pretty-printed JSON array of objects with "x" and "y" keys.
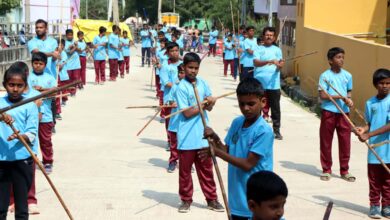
[
  {"x": 16, "y": 164},
  {"x": 121, "y": 59},
  {"x": 161, "y": 60},
  {"x": 113, "y": 52},
  {"x": 249, "y": 46},
  {"x": 168, "y": 77},
  {"x": 81, "y": 49},
  {"x": 172, "y": 127},
  {"x": 248, "y": 145},
  {"x": 99, "y": 56},
  {"x": 332, "y": 119},
  {"x": 377, "y": 130},
  {"x": 63, "y": 78},
  {"x": 190, "y": 138},
  {"x": 126, "y": 50},
  {"x": 74, "y": 66},
  {"x": 228, "y": 55},
  {"x": 213, "y": 41},
  {"x": 43, "y": 81},
  {"x": 266, "y": 195},
  {"x": 146, "y": 38}
]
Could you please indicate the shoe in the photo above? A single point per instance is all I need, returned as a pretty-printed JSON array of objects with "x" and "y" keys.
[
  {"x": 48, "y": 168},
  {"x": 277, "y": 134},
  {"x": 58, "y": 117},
  {"x": 386, "y": 211},
  {"x": 33, "y": 209},
  {"x": 171, "y": 167},
  {"x": 215, "y": 206},
  {"x": 375, "y": 212},
  {"x": 184, "y": 207},
  {"x": 53, "y": 130}
]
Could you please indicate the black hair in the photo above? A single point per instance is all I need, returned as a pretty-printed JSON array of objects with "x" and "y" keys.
[
  {"x": 230, "y": 35},
  {"x": 22, "y": 65},
  {"x": 41, "y": 21},
  {"x": 249, "y": 28},
  {"x": 213, "y": 27},
  {"x": 191, "y": 57},
  {"x": 39, "y": 56},
  {"x": 250, "y": 86},
  {"x": 270, "y": 29},
  {"x": 114, "y": 27},
  {"x": 80, "y": 33},
  {"x": 180, "y": 68},
  {"x": 242, "y": 27},
  {"x": 15, "y": 71},
  {"x": 68, "y": 31},
  {"x": 164, "y": 40},
  {"x": 102, "y": 29},
  {"x": 332, "y": 52},
  {"x": 124, "y": 32},
  {"x": 171, "y": 45},
  {"x": 265, "y": 185},
  {"x": 160, "y": 33},
  {"x": 379, "y": 75}
]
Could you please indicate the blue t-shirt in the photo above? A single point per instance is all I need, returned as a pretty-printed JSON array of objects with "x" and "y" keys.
[
  {"x": 258, "y": 139},
  {"x": 125, "y": 46},
  {"x": 82, "y": 46},
  {"x": 229, "y": 50},
  {"x": 173, "y": 121},
  {"x": 180, "y": 42},
  {"x": 32, "y": 93},
  {"x": 26, "y": 120},
  {"x": 48, "y": 45},
  {"x": 99, "y": 53},
  {"x": 342, "y": 81},
  {"x": 191, "y": 129},
  {"x": 113, "y": 53},
  {"x": 73, "y": 58},
  {"x": 247, "y": 60},
  {"x": 377, "y": 116},
  {"x": 146, "y": 39},
  {"x": 168, "y": 74},
  {"x": 64, "y": 76},
  {"x": 268, "y": 75},
  {"x": 163, "y": 59},
  {"x": 46, "y": 81},
  {"x": 213, "y": 37}
]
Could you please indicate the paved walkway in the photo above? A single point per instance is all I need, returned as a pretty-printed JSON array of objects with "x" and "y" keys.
[{"x": 103, "y": 171}]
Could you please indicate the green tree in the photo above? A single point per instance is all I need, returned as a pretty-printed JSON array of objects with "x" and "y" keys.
[{"x": 7, "y": 5}]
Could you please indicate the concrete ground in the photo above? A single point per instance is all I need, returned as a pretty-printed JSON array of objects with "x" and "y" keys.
[{"x": 104, "y": 171}]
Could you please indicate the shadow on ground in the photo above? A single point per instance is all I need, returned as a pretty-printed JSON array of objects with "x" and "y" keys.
[
  {"x": 154, "y": 142},
  {"x": 304, "y": 168},
  {"x": 169, "y": 199},
  {"x": 342, "y": 204}
]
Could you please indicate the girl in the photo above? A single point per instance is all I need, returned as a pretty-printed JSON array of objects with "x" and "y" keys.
[{"x": 126, "y": 50}]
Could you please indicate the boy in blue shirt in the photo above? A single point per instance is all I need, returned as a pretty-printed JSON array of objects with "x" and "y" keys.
[
  {"x": 146, "y": 40},
  {"x": 74, "y": 66},
  {"x": 160, "y": 61},
  {"x": 82, "y": 50},
  {"x": 268, "y": 61},
  {"x": 332, "y": 119},
  {"x": 213, "y": 41},
  {"x": 266, "y": 195},
  {"x": 126, "y": 50},
  {"x": 190, "y": 137},
  {"x": 377, "y": 131},
  {"x": 113, "y": 52},
  {"x": 121, "y": 59},
  {"x": 229, "y": 55},
  {"x": 249, "y": 47},
  {"x": 43, "y": 81},
  {"x": 99, "y": 56},
  {"x": 248, "y": 145}
]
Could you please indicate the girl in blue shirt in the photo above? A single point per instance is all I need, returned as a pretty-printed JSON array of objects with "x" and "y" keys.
[
  {"x": 126, "y": 50},
  {"x": 16, "y": 164},
  {"x": 82, "y": 50}
]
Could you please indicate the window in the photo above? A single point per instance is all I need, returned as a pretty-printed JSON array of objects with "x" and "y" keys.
[
  {"x": 288, "y": 2},
  {"x": 288, "y": 34}
]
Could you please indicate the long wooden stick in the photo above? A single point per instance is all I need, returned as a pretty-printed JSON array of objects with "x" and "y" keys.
[
  {"x": 185, "y": 109},
  {"x": 146, "y": 125},
  {"x": 150, "y": 106},
  {"x": 225, "y": 200},
  {"x": 380, "y": 144},
  {"x": 354, "y": 127},
  {"x": 354, "y": 108},
  {"x": 151, "y": 79},
  {"x": 58, "y": 96},
  {"x": 231, "y": 10},
  {"x": 42, "y": 95},
  {"x": 36, "y": 160},
  {"x": 300, "y": 56},
  {"x": 328, "y": 210}
]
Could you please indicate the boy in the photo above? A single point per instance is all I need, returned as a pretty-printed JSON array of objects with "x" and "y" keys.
[
  {"x": 126, "y": 50},
  {"x": 228, "y": 55},
  {"x": 146, "y": 39},
  {"x": 332, "y": 119},
  {"x": 190, "y": 137},
  {"x": 248, "y": 145},
  {"x": 213, "y": 41},
  {"x": 268, "y": 60},
  {"x": 266, "y": 195},
  {"x": 43, "y": 81},
  {"x": 113, "y": 52},
  {"x": 121, "y": 59},
  {"x": 249, "y": 47},
  {"x": 377, "y": 130},
  {"x": 73, "y": 63},
  {"x": 160, "y": 61},
  {"x": 99, "y": 56},
  {"x": 81, "y": 49}
]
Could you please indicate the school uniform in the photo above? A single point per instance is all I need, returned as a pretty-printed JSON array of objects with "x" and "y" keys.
[
  {"x": 247, "y": 61},
  {"x": 172, "y": 127},
  {"x": 331, "y": 119},
  {"x": 16, "y": 164},
  {"x": 163, "y": 60},
  {"x": 212, "y": 42},
  {"x": 126, "y": 53},
  {"x": 121, "y": 64},
  {"x": 46, "y": 81},
  {"x": 269, "y": 77},
  {"x": 190, "y": 141},
  {"x": 48, "y": 45},
  {"x": 377, "y": 116},
  {"x": 258, "y": 139},
  {"x": 63, "y": 79},
  {"x": 228, "y": 58},
  {"x": 113, "y": 55},
  {"x": 146, "y": 45},
  {"x": 99, "y": 57},
  {"x": 74, "y": 66},
  {"x": 83, "y": 60}
]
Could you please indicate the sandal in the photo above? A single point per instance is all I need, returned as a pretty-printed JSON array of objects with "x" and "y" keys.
[
  {"x": 348, "y": 177},
  {"x": 325, "y": 176}
]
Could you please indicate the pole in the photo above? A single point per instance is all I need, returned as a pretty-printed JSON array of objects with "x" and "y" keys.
[
  {"x": 115, "y": 12},
  {"x": 270, "y": 13},
  {"x": 86, "y": 8},
  {"x": 243, "y": 13},
  {"x": 174, "y": 5},
  {"x": 159, "y": 11},
  {"x": 231, "y": 9}
]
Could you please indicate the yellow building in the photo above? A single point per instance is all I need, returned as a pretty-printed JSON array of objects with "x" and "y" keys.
[{"x": 323, "y": 24}]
